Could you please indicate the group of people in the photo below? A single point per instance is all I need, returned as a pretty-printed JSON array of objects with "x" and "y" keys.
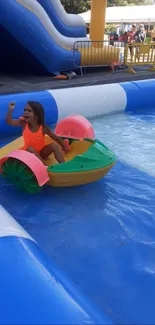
[{"x": 136, "y": 35}]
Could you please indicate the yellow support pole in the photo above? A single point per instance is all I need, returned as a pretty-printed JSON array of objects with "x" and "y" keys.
[{"x": 97, "y": 22}]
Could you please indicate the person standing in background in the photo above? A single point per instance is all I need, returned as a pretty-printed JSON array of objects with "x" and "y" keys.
[
  {"x": 140, "y": 35},
  {"x": 131, "y": 38}
]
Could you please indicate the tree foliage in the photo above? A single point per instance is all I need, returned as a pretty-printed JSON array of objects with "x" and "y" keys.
[
  {"x": 78, "y": 6},
  {"x": 112, "y": 3}
]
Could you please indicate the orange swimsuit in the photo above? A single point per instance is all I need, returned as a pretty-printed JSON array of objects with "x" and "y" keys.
[{"x": 36, "y": 140}]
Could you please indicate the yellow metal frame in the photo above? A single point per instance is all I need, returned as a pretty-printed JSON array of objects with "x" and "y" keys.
[
  {"x": 138, "y": 54},
  {"x": 97, "y": 54}
]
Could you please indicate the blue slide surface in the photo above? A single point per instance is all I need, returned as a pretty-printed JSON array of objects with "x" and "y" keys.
[
  {"x": 25, "y": 39},
  {"x": 69, "y": 31}
]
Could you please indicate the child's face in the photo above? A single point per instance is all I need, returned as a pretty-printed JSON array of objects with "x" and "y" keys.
[{"x": 29, "y": 115}]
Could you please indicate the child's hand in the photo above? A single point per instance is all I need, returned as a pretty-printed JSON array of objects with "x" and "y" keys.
[
  {"x": 65, "y": 148},
  {"x": 12, "y": 106}
]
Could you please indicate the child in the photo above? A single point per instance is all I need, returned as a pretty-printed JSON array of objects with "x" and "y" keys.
[{"x": 34, "y": 130}]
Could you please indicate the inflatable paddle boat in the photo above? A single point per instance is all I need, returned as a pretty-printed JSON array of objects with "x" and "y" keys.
[{"x": 88, "y": 159}]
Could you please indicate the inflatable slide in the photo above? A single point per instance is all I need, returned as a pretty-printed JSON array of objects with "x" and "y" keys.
[
  {"x": 67, "y": 24},
  {"x": 28, "y": 24},
  {"x": 29, "y": 40}
]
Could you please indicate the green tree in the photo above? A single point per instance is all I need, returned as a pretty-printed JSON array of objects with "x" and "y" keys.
[
  {"x": 78, "y": 6},
  {"x": 112, "y": 3}
]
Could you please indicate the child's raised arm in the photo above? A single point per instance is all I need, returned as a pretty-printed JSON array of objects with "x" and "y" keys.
[{"x": 9, "y": 119}]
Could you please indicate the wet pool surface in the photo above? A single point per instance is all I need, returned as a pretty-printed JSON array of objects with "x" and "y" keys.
[{"x": 103, "y": 234}]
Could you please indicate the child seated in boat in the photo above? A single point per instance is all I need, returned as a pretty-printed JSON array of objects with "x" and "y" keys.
[{"x": 34, "y": 131}]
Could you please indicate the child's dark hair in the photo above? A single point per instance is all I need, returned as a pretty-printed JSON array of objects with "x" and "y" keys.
[{"x": 38, "y": 111}]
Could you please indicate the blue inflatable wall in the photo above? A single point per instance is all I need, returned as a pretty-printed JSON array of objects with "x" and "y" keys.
[
  {"x": 33, "y": 289},
  {"x": 132, "y": 97}
]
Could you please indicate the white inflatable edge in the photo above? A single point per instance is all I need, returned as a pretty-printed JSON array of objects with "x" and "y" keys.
[
  {"x": 9, "y": 226},
  {"x": 68, "y": 19},
  {"x": 91, "y": 101},
  {"x": 34, "y": 7}
]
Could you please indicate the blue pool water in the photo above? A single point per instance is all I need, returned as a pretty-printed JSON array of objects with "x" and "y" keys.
[{"x": 103, "y": 234}]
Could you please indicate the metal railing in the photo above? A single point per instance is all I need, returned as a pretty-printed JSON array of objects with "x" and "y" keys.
[
  {"x": 138, "y": 54},
  {"x": 97, "y": 54}
]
